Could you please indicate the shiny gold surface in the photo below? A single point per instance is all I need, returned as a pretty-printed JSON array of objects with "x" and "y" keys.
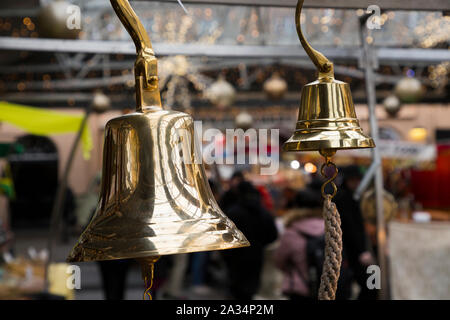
[
  {"x": 151, "y": 203},
  {"x": 155, "y": 198},
  {"x": 327, "y": 118}
]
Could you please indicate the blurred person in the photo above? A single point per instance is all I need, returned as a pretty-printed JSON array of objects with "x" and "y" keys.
[
  {"x": 266, "y": 197},
  {"x": 244, "y": 265},
  {"x": 113, "y": 272},
  {"x": 173, "y": 287},
  {"x": 199, "y": 261},
  {"x": 114, "y": 276},
  {"x": 271, "y": 276},
  {"x": 356, "y": 247},
  {"x": 229, "y": 197},
  {"x": 301, "y": 251},
  {"x": 276, "y": 195},
  {"x": 288, "y": 198}
]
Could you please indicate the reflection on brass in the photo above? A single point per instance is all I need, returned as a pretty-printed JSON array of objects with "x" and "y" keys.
[
  {"x": 326, "y": 118},
  {"x": 155, "y": 198}
]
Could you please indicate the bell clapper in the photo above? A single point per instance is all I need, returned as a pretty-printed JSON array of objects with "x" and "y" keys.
[{"x": 148, "y": 268}]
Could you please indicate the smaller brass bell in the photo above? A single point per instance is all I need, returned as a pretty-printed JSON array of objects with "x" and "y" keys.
[
  {"x": 327, "y": 119},
  {"x": 326, "y": 123}
]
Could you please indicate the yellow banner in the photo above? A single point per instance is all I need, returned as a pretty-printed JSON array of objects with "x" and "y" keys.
[{"x": 45, "y": 122}]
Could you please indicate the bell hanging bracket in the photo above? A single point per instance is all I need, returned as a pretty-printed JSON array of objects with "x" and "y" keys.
[{"x": 146, "y": 64}]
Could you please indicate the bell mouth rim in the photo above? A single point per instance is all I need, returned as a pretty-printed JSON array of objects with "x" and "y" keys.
[
  {"x": 317, "y": 145},
  {"x": 168, "y": 251}
]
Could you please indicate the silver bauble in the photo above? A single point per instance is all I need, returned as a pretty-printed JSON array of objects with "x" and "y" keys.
[
  {"x": 221, "y": 93},
  {"x": 275, "y": 87},
  {"x": 409, "y": 90},
  {"x": 392, "y": 105},
  {"x": 100, "y": 102},
  {"x": 243, "y": 121}
]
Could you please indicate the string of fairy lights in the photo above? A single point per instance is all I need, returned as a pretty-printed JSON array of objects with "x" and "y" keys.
[
  {"x": 180, "y": 76},
  {"x": 167, "y": 24}
]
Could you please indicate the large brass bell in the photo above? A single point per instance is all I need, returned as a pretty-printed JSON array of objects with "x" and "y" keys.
[{"x": 155, "y": 198}]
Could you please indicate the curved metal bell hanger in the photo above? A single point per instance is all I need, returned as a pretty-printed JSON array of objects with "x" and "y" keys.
[
  {"x": 324, "y": 65},
  {"x": 146, "y": 65}
]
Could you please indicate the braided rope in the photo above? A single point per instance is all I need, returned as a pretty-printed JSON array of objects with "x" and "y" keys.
[{"x": 333, "y": 251}]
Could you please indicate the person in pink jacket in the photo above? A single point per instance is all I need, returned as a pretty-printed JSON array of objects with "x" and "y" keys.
[{"x": 302, "y": 223}]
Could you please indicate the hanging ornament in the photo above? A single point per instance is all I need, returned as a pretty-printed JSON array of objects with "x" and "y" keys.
[
  {"x": 59, "y": 19},
  {"x": 221, "y": 93},
  {"x": 326, "y": 123},
  {"x": 392, "y": 105},
  {"x": 100, "y": 102},
  {"x": 155, "y": 198},
  {"x": 409, "y": 90},
  {"x": 177, "y": 74},
  {"x": 275, "y": 87},
  {"x": 243, "y": 121},
  {"x": 368, "y": 206}
]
